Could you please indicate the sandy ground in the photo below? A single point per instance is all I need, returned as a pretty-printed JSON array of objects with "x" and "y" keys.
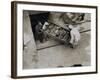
[{"x": 63, "y": 55}]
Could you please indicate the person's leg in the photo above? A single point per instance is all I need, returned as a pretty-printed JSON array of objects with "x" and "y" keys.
[
  {"x": 72, "y": 37},
  {"x": 40, "y": 37},
  {"x": 77, "y": 38}
]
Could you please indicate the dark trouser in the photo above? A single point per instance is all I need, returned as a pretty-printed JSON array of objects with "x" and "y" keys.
[{"x": 41, "y": 37}]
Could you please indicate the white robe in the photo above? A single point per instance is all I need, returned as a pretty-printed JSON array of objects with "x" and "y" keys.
[{"x": 75, "y": 35}]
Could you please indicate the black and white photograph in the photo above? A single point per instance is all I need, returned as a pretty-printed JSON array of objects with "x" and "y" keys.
[
  {"x": 60, "y": 39},
  {"x": 54, "y": 39}
]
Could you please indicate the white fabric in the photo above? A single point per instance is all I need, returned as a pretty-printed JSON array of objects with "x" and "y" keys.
[{"x": 75, "y": 35}]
